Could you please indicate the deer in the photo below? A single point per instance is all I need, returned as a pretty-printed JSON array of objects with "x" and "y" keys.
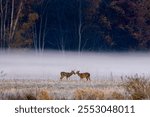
[
  {"x": 83, "y": 75},
  {"x": 66, "y": 74}
]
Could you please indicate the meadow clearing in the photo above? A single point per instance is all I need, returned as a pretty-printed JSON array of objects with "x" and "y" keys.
[
  {"x": 44, "y": 89},
  {"x": 65, "y": 89}
]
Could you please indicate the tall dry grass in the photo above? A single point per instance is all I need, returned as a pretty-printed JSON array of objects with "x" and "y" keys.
[
  {"x": 137, "y": 87},
  {"x": 117, "y": 96},
  {"x": 44, "y": 95},
  {"x": 97, "y": 94},
  {"x": 131, "y": 87},
  {"x": 88, "y": 94},
  {"x": 29, "y": 95}
]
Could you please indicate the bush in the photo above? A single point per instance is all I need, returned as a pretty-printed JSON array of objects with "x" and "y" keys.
[{"x": 137, "y": 88}]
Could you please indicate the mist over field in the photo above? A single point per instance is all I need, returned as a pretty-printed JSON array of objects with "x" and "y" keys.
[{"x": 30, "y": 65}]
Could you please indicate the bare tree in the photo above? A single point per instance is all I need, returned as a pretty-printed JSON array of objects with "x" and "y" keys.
[
  {"x": 1, "y": 26},
  {"x": 14, "y": 20},
  {"x": 61, "y": 40},
  {"x": 39, "y": 33},
  {"x": 80, "y": 26},
  {"x": 3, "y": 18},
  {"x": 9, "y": 16},
  {"x": 12, "y": 27}
]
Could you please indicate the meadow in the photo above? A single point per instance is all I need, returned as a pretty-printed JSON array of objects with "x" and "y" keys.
[
  {"x": 135, "y": 88},
  {"x": 65, "y": 89}
]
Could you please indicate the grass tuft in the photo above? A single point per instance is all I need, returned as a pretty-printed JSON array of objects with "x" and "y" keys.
[
  {"x": 29, "y": 96},
  {"x": 44, "y": 95}
]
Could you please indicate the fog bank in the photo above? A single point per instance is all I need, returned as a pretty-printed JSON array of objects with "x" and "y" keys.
[{"x": 19, "y": 64}]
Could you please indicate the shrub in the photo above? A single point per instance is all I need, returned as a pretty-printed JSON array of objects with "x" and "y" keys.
[{"x": 137, "y": 87}]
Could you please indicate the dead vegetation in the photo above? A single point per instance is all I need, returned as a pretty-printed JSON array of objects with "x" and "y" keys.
[
  {"x": 137, "y": 87},
  {"x": 117, "y": 96},
  {"x": 44, "y": 95},
  {"x": 129, "y": 88},
  {"x": 97, "y": 94},
  {"x": 88, "y": 94},
  {"x": 26, "y": 95}
]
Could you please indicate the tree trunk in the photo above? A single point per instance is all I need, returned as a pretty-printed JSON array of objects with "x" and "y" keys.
[
  {"x": 1, "y": 27},
  {"x": 11, "y": 21},
  {"x": 16, "y": 20},
  {"x": 80, "y": 26}
]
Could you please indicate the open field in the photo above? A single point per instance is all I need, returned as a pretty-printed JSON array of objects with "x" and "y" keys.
[
  {"x": 23, "y": 89},
  {"x": 57, "y": 89}
]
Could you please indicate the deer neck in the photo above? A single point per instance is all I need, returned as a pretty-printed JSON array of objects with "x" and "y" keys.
[{"x": 70, "y": 74}]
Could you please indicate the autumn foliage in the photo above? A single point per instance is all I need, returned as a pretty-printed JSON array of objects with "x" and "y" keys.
[{"x": 104, "y": 24}]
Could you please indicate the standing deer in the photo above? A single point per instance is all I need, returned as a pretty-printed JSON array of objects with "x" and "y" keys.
[
  {"x": 83, "y": 75},
  {"x": 66, "y": 74}
]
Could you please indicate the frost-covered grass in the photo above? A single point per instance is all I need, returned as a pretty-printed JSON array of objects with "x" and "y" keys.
[
  {"x": 64, "y": 89},
  {"x": 23, "y": 89}
]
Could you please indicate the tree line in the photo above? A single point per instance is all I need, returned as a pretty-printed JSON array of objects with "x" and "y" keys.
[{"x": 82, "y": 25}]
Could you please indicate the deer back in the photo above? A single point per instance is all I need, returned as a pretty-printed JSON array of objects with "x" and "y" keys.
[
  {"x": 67, "y": 74},
  {"x": 83, "y": 75}
]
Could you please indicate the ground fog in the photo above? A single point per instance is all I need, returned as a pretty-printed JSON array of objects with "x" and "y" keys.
[{"x": 30, "y": 65}]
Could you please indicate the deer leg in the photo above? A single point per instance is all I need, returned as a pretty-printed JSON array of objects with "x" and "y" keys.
[
  {"x": 88, "y": 78},
  {"x": 61, "y": 77}
]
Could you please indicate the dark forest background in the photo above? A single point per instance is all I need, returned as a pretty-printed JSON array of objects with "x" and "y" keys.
[{"x": 78, "y": 25}]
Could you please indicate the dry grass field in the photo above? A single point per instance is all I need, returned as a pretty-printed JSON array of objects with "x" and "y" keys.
[
  {"x": 44, "y": 89},
  {"x": 65, "y": 89}
]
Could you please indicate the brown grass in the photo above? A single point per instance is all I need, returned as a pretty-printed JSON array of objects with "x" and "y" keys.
[
  {"x": 88, "y": 94},
  {"x": 137, "y": 87},
  {"x": 97, "y": 94},
  {"x": 21, "y": 96},
  {"x": 44, "y": 95},
  {"x": 133, "y": 87},
  {"x": 117, "y": 96},
  {"x": 28, "y": 95}
]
